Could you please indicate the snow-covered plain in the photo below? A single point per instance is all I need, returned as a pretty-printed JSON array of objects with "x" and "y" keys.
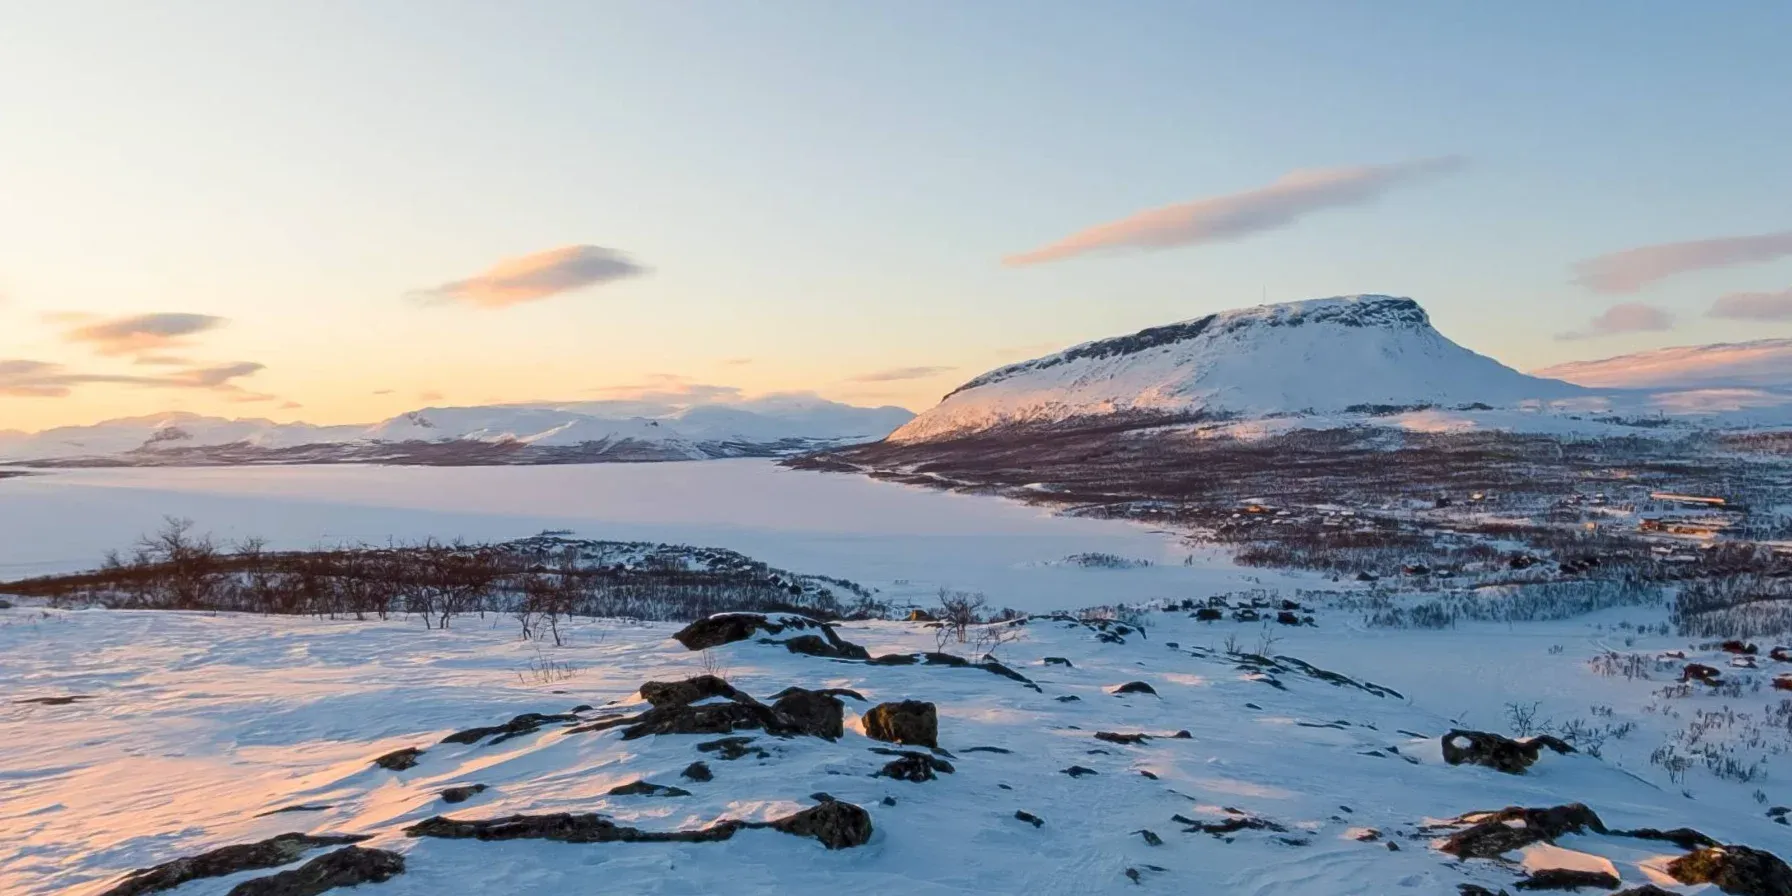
[
  {"x": 198, "y": 724},
  {"x": 907, "y": 542}
]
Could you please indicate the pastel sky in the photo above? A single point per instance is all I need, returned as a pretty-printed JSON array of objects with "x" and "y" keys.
[{"x": 338, "y": 210}]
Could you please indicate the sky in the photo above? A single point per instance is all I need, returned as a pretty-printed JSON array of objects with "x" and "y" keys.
[{"x": 338, "y": 211}]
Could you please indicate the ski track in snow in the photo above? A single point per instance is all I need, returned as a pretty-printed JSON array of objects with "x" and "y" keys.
[{"x": 200, "y": 722}]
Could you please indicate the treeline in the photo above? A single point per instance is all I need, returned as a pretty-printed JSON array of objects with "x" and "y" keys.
[{"x": 541, "y": 581}]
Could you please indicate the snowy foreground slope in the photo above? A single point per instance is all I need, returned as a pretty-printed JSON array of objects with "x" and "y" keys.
[
  {"x": 1313, "y": 357},
  {"x": 197, "y": 725},
  {"x": 522, "y": 433}
]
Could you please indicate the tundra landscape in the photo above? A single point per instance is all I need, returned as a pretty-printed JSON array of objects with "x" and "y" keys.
[{"x": 980, "y": 469}]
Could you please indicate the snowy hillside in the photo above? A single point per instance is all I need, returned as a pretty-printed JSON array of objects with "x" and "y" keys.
[
  {"x": 1351, "y": 353},
  {"x": 530, "y": 432},
  {"x": 1192, "y": 757}
]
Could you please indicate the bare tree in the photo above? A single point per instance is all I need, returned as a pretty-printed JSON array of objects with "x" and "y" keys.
[{"x": 959, "y": 610}]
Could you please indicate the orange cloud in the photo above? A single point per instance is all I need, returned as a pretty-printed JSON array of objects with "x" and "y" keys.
[
  {"x": 531, "y": 278},
  {"x": 1231, "y": 217},
  {"x": 138, "y": 333},
  {"x": 1633, "y": 269}
]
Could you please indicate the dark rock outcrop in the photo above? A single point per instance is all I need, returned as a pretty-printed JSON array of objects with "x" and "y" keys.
[
  {"x": 1029, "y": 818},
  {"x": 836, "y": 824},
  {"x": 347, "y": 867},
  {"x": 831, "y": 692},
  {"x": 1117, "y": 738},
  {"x": 726, "y": 628},
  {"x": 270, "y": 853},
  {"x": 1568, "y": 879},
  {"x": 697, "y": 771},
  {"x": 527, "y": 723},
  {"x": 399, "y": 760},
  {"x": 643, "y": 788},
  {"x": 1135, "y": 687},
  {"x": 1492, "y": 834},
  {"x": 911, "y": 722},
  {"x": 912, "y": 766},
  {"x": 462, "y": 793},
  {"x": 691, "y": 690},
  {"x": 1495, "y": 751},
  {"x": 1737, "y": 870},
  {"x": 811, "y": 712},
  {"x": 731, "y": 748}
]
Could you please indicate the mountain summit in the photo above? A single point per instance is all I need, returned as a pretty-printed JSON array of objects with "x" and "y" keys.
[{"x": 1336, "y": 355}]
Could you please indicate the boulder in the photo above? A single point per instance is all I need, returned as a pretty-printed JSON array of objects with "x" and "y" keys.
[
  {"x": 1209, "y": 614},
  {"x": 1491, "y": 834},
  {"x": 527, "y": 723},
  {"x": 1701, "y": 673},
  {"x": 697, "y": 771},
  {"x": 347, "y": 867},
  {"x": 816, "y": 645},
  {"x": 837, "y": 824},
  {"x": 913, "y": 766},
  {"x": 643, "y": 788},
  {"x": 461, "y": 793},
  {"x": 691, "y": 690},
  {"x": 1135, "y": 687},
  {"x": 1737, "y": 870},
  {"x": 399, "y": 760},
  {"x": 912, "y": 722},
  {"x": 726, "y": 628},
  {"x": 1495, "y": 751},
  {"x": 811, "y": 712}
]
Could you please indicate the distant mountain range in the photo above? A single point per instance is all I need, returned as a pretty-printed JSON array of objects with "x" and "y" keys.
[
  {"x": 571, "y": 432},
  {"x": 1761, "y": 364}
]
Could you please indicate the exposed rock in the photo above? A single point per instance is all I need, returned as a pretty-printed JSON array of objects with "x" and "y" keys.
[
  {"x": 1208, "y": 614},
  {"x": 726, "y": 628},
  {"x": 270, "y": 853},
  {"x": 731, "y": 748},
  {"x": 1742, "y": 648},
  {"x": 1475, "y": 889},
  {"x": 831, "y": 692},
  {"x": 1568, "y": 879},
  {"x": 913, "y": 722},
  {"x": 1685, "y": 838},
  {"x": 1737, "y": 870},
  {"x": 1491, "y": 834},
  {"x": 399, "y": 760},
  {"x": 1238, "y": 822},
  {"x": 1701, "y": 673},
  {"x": 56, "y": 701},
  {"x": 1150, "y": 836},
  {"x": 1645, "y": 890},
  {"x": 987, "y": 750},
  {"x": 1135, "y": 687},
  {"x": 822, "y": 796},
  {"x": 919, "y": 615},
  {"x": 1067, "y": 698},
  {"x": 527, "y": 723},
  {"x": 1029, "y": 818},
  {"x": 916, "y": 767},
  {"x": 691, "y": 690},
  {"x": 1495, "y": 751},
  {"x": 995, "y": 668},
  {"x": 697, "y": 771},
  {"x": 301, "y": 807},
  {"x": 812, "y": 713},
  {"x": 944, "y": 659},
  {"x": 816, "y": 645},
  {"x": 1077, "y": 771},
  {"x": 1058, "y": 661},
  {"x": 894, "y": 659},
  {"x": 347, "y": 867},
  {"x": 836, "y": 824},
  {"x": 1116, "y": 738},
  {"x": 462, "y": 793},
  {"x": 643, "y": 788}
]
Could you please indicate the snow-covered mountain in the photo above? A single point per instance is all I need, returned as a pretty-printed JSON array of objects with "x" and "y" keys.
[
  {"x": 1337, "y": 355},
  {"x": 524, "y": 433}
]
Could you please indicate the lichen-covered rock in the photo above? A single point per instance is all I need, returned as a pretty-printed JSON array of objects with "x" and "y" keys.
[
  {"x": 912, "y": 722},
  {"x": 837, "y": 824},
  {"x": 691, "y": 690},
  {"x": 1737, "y": 870},
  {"x": 347, "y": 867}
]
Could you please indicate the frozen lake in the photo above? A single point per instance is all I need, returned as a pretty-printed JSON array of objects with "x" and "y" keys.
[{"x": 906, "y": 541}]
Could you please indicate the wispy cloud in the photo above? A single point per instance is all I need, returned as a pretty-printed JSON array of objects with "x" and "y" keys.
[
  {"x": 899, "y": 373},
  {"x": 1633, "y": 269},
  {"x": 530, "y": 278},
  {"x": 736, "y": 362},
  {"x": 1628, "y": 317},
  {"x": 1753, "y": 306},
  {"x": 137, "y": 334},
  {"x": 429, "y": 396},
  {"x": 1220, "y": 218},
  {"x": 671, "y": 388},
  {"x": 43, "y": 379}
]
